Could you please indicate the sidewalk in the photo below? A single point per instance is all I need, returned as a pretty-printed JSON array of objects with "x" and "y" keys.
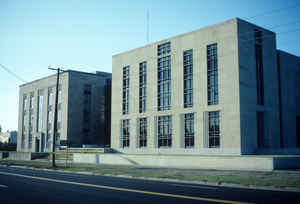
[{"x": 276, "y": 180}]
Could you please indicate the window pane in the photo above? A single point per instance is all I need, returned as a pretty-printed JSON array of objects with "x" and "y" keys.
[{"x": 212, "y": 75}]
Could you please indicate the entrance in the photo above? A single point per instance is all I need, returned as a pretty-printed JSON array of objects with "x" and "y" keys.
[{"x": 37, "y": 145}]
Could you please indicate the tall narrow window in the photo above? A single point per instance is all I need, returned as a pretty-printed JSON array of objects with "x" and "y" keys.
[
  {"x": 259, "y": 67},
  {"x": 87, "y": 92},
  {"x": 59, "y": 98},
  {"x": 212, "y": 75},
  {"x": 262, "y": 140},
  {"x": 143, "y": 132},
  {"x": 125, "y": 140},
  {"x": 164, "y": 131},
  {"x": 163, "y": 49},
  {"x": 142, "y": 87},
  {"x": 24, "y": 126},
  {"x": 31, "y": 120},
  {"x": 188, "y": 78},
  {"x": 189, "y": 130},
  {"x": 125, "y": 101},
  {"x": 49, "y": 116},
  {"x": 59, "y": 115},
  {"x": 164, "y": 83},
  {"x": 40, "y": 111},
  {"x": 298, "y": 131},
  {"x": 214, "y": 129}
]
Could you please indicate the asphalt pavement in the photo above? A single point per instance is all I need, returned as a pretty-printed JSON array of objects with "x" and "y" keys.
[{"x": 19, "y": 185}]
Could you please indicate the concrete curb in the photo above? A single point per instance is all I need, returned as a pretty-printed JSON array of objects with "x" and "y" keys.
[{"x": 285, "y": 189}]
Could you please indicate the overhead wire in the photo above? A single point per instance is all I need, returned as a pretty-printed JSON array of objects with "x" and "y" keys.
[
  {"x": 250, "y": 38},
  {"x": 241, "y": 34},
  {"x": 12, "y": 73},
  {"x": 244, "y": 40},
  {"x": 273, "y": 11}
]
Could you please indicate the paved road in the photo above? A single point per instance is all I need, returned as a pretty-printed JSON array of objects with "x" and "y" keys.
[{"x": 18, "y": 185}]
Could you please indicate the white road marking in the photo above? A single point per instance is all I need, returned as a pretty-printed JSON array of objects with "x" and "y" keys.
[
  {"x": 193, "y": 186},
  {"x": 3, "y": 186}
]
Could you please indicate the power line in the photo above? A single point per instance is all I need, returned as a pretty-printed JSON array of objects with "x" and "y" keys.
[
  {"x": 285, "y": 24},
  {"x": 12, "y": 73},
  {"x": 273, "y": 11},
  {"x": 245, "y": 40},
  {"x": 245, "y": 35},
  {"x": 242, "y": 34}
]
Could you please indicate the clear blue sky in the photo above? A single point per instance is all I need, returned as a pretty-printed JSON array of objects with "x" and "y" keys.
[{"x": 83, "y": 35}]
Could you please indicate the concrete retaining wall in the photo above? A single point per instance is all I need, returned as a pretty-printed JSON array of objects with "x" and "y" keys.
[
  {"x": 89, "y": 150},
  {"x": 258, "y": 163},
  {"x": 286, "y": 162},
  {"x": 279, "y": 151},
  {"x": 19, "y": 156},
  {"x": 25, "y": 155}
]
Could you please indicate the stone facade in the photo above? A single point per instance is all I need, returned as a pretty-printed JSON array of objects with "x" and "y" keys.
[
  {"x": 83, "y": 111},
  {"x": 289, "y": 74},
  {"x": 243, "y": 126}
]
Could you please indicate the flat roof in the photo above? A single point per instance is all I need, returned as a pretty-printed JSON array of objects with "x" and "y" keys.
[
  {"x": 284, "y": 52},
  {"x": 96, "y": 73},
  {"x": 188, "y": 33}
]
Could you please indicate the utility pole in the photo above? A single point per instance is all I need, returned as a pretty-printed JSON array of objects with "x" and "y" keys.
[{"x": 55, "y": 116}]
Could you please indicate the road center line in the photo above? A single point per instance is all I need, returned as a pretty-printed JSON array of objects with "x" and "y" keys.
[{"x": 126, "y": 189}]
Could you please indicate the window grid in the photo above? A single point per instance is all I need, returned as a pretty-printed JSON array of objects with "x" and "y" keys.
[
  {"x": 164, "y": 49},
  {"x": 40, "y": 111},
  {"x": 142, "y": 87},
  {"x": 214, "y": 129},
  {"x": 57, "y": 139},
  {"x": 188, "y": 78},
  {"x": 189, "y": 130},
  {"x": 24, "y": 122},
  {"x": 143, "y": 132},
  {"x": 298, "y": 131},
  {"x": 59, "y": 109},
  {"x": 164, "y": 83},
  {"x": 212, "y": 75},
  {"x": 259, "y": 67},
  {"x": 260, "y": 129},
  {"x": 31, "y": 119},
  {"x": 125, "y": 99},
  {"x": 49, "y": 117},
  {"x": 59, "y": 116},
  {"x": 125, "y": 133},
  {"x": 86, "y": 112},
  {"x": 59, "y": 99},
  {"x": 164, "y": 131}
]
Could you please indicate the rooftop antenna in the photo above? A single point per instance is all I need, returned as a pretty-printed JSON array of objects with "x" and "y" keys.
[{"x": 147, "y": 25}]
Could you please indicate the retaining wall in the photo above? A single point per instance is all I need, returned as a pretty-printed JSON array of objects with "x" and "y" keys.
[
  {"x": 258, "y": 163},
  {"x": 25, "y": 155},
  {"x": 19, "y": 156}
]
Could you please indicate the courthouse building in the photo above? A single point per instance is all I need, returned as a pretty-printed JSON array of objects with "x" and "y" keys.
[
  {"x": 222, "y": 89},
  {"x": 83, "y": 116}
]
